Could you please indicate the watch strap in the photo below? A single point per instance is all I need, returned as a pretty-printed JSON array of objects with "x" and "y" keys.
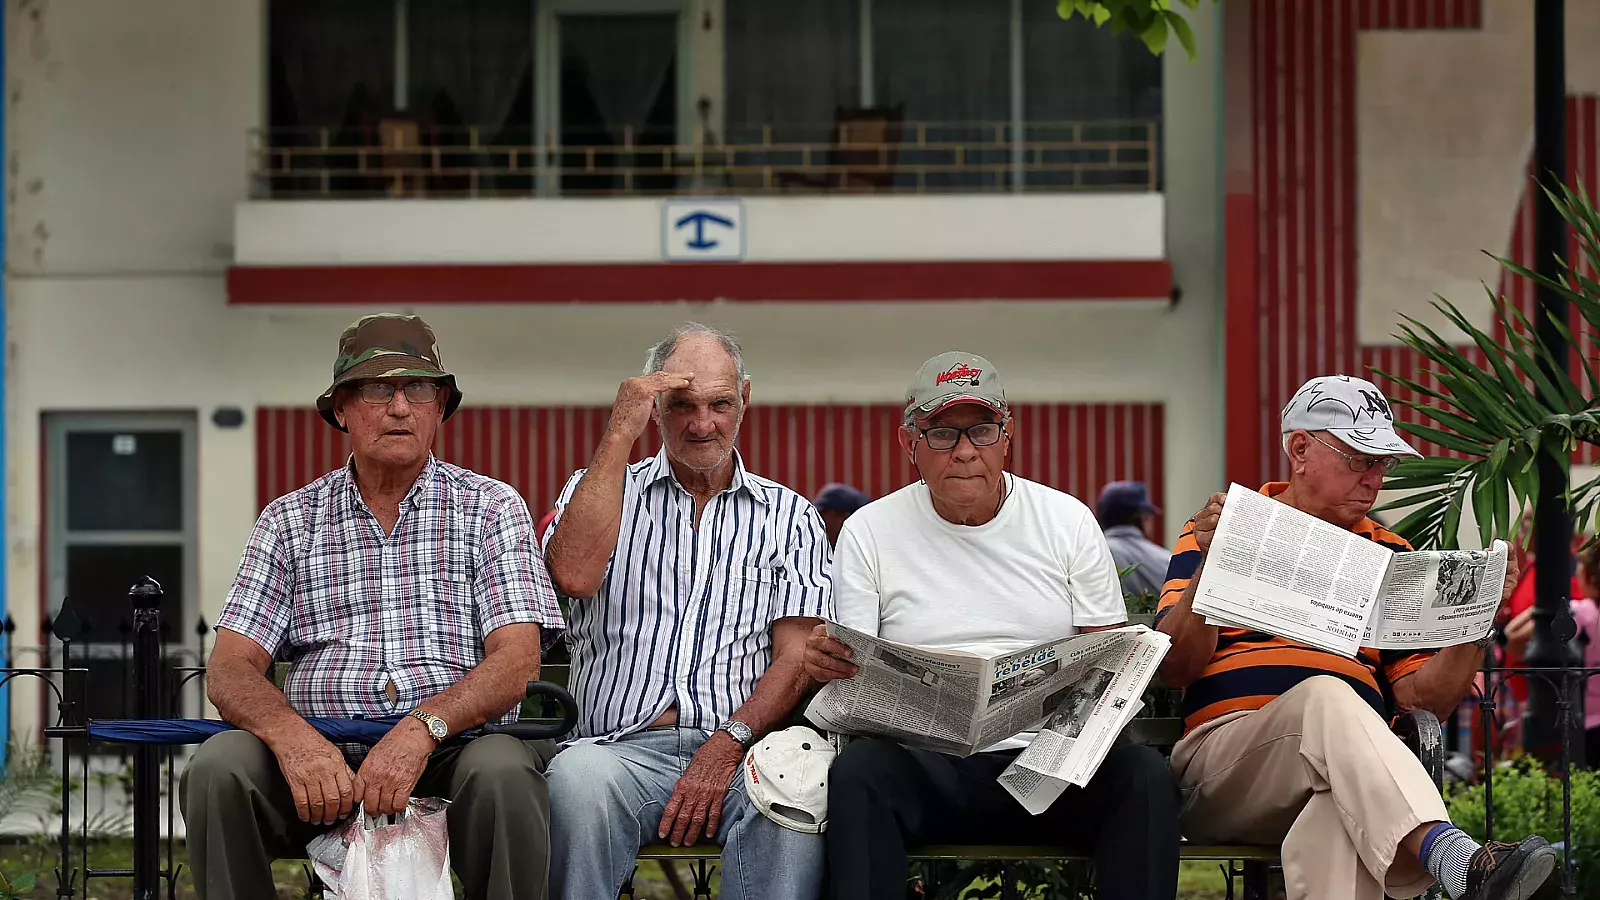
[
  {"x": 429, "y": 719},
  {"x": 739, "y": 731}
]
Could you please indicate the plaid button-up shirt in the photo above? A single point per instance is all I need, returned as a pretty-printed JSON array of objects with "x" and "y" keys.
[{"x": 322, "y": 587}]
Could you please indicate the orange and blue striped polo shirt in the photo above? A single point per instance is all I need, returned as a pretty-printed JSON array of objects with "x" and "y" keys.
[{"x": 1250, "y": 668}]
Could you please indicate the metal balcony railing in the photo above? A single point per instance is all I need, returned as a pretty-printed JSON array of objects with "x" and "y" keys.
[{"x": 401, "y": 157}]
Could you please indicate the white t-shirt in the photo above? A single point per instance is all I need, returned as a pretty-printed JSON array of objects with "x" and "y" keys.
[{"x": 1038, "y": 570}]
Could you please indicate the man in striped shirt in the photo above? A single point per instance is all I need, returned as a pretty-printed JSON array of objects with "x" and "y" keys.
[
  {"x": 1288, "y": 744},
  {"x": 693, "y": 585}
]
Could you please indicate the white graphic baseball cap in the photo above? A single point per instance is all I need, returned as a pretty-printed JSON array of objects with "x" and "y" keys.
[
  {"x": 786, "y": 777},
  {"x": 1352, "y": 410}
]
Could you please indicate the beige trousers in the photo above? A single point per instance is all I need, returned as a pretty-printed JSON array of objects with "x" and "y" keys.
[{"x": 1318, "y": 771}]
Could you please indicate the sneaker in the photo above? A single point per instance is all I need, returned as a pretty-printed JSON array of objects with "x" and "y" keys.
[{"x": 1509, "y": 871}]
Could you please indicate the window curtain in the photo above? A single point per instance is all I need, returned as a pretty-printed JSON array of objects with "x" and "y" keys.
[
  {"x": 336, "y": 60},
  {"x": 1109, "y": 83},
  {"x": 626, "y": 62},
  {"x": 790, "y": 65},
  {"x": 472, "y": 57},
  {"x": 947, "y": 63}
]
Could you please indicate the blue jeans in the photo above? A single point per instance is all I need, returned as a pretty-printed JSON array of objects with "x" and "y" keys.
[{"x": 606, "y": 801}]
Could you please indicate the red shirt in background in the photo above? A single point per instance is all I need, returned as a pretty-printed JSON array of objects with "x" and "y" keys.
[{"x": 1521, "y": 599}]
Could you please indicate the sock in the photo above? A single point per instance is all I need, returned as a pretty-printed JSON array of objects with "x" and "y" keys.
[{"x": 1446, "y": 853}]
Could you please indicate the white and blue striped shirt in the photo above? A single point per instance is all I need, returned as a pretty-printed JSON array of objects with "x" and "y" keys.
[{"x": 684, "y": 616}]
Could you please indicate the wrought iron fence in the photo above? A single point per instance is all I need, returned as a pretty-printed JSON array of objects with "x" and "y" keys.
[
  {"x": 404, "y": 158},
  {"x": 1475, "y": 735}
]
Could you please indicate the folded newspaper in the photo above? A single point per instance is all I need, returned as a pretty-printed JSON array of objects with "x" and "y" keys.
[
  {"x": 1079, "y": 692},
  {"x": 1276, "y": 569}
]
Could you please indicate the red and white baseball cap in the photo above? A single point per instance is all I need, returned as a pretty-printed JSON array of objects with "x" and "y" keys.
[
  {"x": 951, "y": 378},
  {"x": 786, "y": 777}
]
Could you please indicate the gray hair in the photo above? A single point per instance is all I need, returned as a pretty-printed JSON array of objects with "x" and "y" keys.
[{"x": 656, "y": 359}]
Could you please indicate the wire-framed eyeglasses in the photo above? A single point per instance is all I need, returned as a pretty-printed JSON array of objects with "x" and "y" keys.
[
  {"x": 946, "y": 437},
  {"x": 380, "y": 392},
  {"x": 1360, "y": 462}
]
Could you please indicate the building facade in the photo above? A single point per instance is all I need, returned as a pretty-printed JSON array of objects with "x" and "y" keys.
[{"x": 201, "y": 194}]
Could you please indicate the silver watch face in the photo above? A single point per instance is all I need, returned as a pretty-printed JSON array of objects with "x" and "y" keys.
[
  {"x": 739, "y": 731},
  {"x": 438, "y": 729}
]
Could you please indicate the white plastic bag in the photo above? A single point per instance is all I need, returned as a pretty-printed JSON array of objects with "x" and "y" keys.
[{"x": 399, "y": 857}]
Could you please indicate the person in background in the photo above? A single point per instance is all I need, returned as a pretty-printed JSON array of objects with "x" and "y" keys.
[
  {"x": 1128, "y": 519},
  {"x": 837, "y": 502},
  {"x": 1587, "y": 615},
  {"x": 1522, "y": 602}
]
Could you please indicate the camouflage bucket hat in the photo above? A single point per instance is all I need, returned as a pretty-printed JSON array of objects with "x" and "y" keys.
[{"x": 387, "y": 345}]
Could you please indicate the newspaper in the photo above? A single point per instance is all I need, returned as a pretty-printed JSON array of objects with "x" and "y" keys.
[
  {"x": 1081, "y": 690},
  {"x": 1276, "y": 569}
]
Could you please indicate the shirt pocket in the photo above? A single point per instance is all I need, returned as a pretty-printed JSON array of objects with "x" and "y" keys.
[
  {"x": 754, "y": 590},
  {"x": 317, "y": 619},
  {"x": 451, "y": 621}
]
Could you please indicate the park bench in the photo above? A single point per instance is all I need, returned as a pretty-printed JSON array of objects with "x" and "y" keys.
[{"x": 1250, "y": 866}]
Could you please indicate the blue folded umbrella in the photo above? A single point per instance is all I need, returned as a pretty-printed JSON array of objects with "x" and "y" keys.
[
  {"x": 340, "y": 731},
  {"x": 343, "y": 731},
  {"x": 195, "y": 731}
]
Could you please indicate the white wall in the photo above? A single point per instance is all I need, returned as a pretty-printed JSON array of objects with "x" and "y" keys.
[
  {"x": 127, "y": 131},
  {"x": 629, "y": 229},
  {"x": 1445, "y": 135}
]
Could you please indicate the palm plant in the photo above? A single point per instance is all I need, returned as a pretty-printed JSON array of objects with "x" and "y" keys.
[{"x": 1500, "y": 404}]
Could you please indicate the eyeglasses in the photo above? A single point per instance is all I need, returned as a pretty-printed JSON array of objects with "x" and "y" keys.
[
  {"x": 983, "y": 434},
  {"x": 1360, "y": 462},
  {"x": 377, "y": 392}
]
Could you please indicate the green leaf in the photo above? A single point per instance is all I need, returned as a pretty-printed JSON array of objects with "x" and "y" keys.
[
  {"x": 1483, "y": 507},
  {"x": 1450, "y": 528},
  {"x": 1445, "y": 439},
  {"x": 1155, "y": 39},
  {"x": 1180, "y": 27}
]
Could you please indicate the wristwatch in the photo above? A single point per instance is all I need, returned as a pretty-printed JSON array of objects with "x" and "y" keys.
[
  {"x": 437, "y": 729},
  {"x": 739, "y": 731}
]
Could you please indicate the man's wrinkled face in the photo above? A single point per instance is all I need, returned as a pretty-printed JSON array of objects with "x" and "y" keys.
[
  {"x": 1330, "y": 482},
  {"x": 396, "y": 433},
  {"x": 966, "y": 473},
  {"x": 700, "y": 423}
]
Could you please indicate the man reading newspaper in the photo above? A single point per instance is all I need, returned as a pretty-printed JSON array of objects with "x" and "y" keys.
[
  {"x": 1289, "y": 743},
  {"x": 938, "y": 585}
]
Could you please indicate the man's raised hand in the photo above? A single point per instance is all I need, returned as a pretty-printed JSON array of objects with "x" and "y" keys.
[{"x": 636, "y": 399}]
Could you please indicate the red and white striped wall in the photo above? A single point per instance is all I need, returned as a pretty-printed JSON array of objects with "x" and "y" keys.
[
  {"x": 1076, "y": 447},
  {"x": 1291, "y": 210}
]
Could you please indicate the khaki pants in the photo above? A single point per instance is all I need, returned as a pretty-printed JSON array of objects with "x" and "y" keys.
[
  {"x": 1318, "y": 771},
  {"x": 240, "y": 816}
]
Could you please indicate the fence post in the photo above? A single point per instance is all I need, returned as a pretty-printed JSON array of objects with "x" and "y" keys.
[{"x": 146, "y": 598}]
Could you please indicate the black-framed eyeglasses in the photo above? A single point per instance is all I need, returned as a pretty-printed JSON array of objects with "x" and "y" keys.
[
  {"x": 1359, "y": 462},
  {"x": 946, "y": 437},
  {"x": 379, "y": 392}
]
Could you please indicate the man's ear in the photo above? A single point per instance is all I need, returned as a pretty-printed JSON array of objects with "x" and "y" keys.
[
  {"x": 744, "y": 393},
  {"x": 907, "y": 438},
  {"x": 1295, "y": 446}
]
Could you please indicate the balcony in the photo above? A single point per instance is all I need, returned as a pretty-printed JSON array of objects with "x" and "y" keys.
[
  {"x": 573, "y": 151},
  {"x": 869, "y": 154}
]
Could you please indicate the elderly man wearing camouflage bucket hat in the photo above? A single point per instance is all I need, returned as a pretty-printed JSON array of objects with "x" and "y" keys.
[{"x": 396, "y": 585}]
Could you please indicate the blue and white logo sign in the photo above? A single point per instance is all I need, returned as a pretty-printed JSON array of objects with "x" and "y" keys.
[{"x": 702, "y": 229}]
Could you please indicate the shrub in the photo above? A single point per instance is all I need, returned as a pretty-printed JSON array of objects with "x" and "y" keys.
[{"x": 1527, "y": 801}]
